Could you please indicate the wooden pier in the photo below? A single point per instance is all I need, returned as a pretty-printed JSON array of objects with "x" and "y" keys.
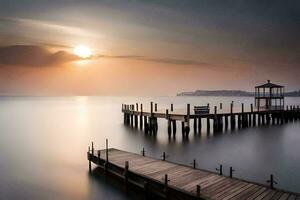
[
  {"x": 175, "y": 181},
  {"x": 217, "y": 119}
]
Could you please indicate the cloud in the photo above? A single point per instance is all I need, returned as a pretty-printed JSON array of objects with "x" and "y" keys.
[
  {"x": 49, "y": 26},
  {"x": 35, "y": 56},
  {"x": 171, "y": 61}
]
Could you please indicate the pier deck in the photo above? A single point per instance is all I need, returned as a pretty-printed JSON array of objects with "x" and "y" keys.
[
  {"x": 175, "y": 181},
  {"x": 219, "y": 119}
]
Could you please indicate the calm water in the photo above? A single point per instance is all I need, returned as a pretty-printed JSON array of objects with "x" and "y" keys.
[{"x": 44, "y": 141}]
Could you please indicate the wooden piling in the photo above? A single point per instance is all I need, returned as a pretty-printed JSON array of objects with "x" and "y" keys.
[
  {"x": 199, "y": 124},
  {"x": 195, "y": 125},
  {"x": 125, "y": 174},
  {"x": 169, "y": 123},
  {"x": 226, "y": 122},
  {"x": 89, "y": 159},
  {"x": 141, "y": 118},
  {"x": 220, "y": 170},
  {"x": 231, "y": 170},
  {"x": 208, "y": 125},
  {"x": 174, "y": 127},
  {"x": 198, "y": 188}
]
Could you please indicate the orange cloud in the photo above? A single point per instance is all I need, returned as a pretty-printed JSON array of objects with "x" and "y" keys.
[{"x": 34, "y": 56}]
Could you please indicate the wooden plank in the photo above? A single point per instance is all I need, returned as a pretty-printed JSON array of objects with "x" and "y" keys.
[
  {"x": 285, "y": 196},
  {"x": 269, "y": 195},
  {"x": 213, "y": 186},
  {"x": 256, "y": 194},
  {"x": 237, "y": 192},
  {"x": 277, "y": 196},
  {"x": 230, "y": 189},
  {"x": 224, "y": 187},
  {"x": 221, "y": 184},
  {"x": 246, "y": 192}
]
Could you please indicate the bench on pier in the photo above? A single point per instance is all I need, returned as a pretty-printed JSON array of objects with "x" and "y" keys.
[{"x": 201, "y": 109}]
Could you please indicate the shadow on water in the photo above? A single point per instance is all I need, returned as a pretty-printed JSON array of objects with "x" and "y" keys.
[{"x": 102, "y": 185}]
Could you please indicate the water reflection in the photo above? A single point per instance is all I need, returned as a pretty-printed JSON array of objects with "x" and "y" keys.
[{"x": 44, "y": 143}]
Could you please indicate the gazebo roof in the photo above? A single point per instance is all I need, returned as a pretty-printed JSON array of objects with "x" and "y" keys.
[{"x": 269, "y": 85}]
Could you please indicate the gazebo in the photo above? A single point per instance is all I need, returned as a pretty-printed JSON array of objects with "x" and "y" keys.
[{"x": 269, "y": 96}]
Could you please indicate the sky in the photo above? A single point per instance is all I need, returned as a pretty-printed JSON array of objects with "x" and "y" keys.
[{"x": 147, "y": 47}]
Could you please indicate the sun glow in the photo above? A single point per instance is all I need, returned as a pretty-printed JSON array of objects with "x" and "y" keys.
[{"x": 82, "y": 51}]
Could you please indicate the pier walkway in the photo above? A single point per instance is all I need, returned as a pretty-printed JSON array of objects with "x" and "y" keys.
[
  {"x": 174, "y": 181},
  {"x": 215, "y": 120}
]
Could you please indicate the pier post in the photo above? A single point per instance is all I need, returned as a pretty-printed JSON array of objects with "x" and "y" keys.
[
  {"x": 151, "y": 118},
  {"x": 232, "y": 118},
  {"x": 220, "y": 170},
  {"x": 124, "y": 113},
  {"x": 155, "y": 107},
  {"x": 208, "y": 125},
  {"x": 172, "y": 109},
  {"x": 98, "y": 156},
  {"x": 259, "y": 119},
  {"x": 268, "y": 118},
  {"x": 271, "y": 181},
  {"x": 273, "y": 118},
  {"x": 106, "y": 153},
  {"x": 221, "y": 106},
  {"x": 215, "y": 120},
  {"x": 199, "y": 124},
  {"x": 242, "y": 107},
  {"x": 198, "y": 189},
  {"x": 182, "y": 128},
  {"x": 135, "y": 121},
  {"x": 126, "y": 172},
  {"x": 146, "y": 125},
  {"x": 231, "y": 170},
  {"x": 89, "y": 158},
  {"x": 195, "y": 124},
  {"x": 251, "y": 115},
  {"x": 169, "y": 123},
  {"x": 226, "y": 121},
  {"x": 187, "y": 120},
  {"x": 194, "y": 164},
  {"x": 141, "y": 118},
  {"x": 151, "y": 107},
  {"x": 243, "y": 117},
  {"x": 174, "y": 127},
  {"x": 166, "y": 184},
  {"x": 155, "y": 125},
  {"x": 93, "y": 148},
  {"x": 131, "y": 115},
  {"x": 239, "y": 121}
]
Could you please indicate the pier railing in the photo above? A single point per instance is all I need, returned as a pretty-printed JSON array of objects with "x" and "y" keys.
[{"x": 217, "y": 119}]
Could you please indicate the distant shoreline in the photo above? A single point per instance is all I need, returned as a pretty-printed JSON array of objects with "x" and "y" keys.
[{"x": 230, "y": 93}]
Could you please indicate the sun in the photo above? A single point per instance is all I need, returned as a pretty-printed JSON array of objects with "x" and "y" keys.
[{"x": 82, "y": 51}]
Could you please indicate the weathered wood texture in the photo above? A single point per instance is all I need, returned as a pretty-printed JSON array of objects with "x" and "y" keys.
[{"x": 184, "y": 179}]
